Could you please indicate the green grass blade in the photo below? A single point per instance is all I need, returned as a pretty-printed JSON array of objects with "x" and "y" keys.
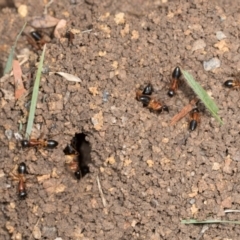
[
  {"x": 8, "y": 67},
  {"x": 202, "y": 94},
  {"x": 35, "y": 95},
  {"x": 210, "y": 221}
]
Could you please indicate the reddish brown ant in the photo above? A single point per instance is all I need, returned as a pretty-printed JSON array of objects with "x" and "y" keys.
[
  {"x": 37, "y": 39},
  {"x": 146, "y": 91},
  {"x": 174, "y": 82},
  {"x": 194, "y": 119},
  {"x": 73, "y": 162},
  {"x": 38, "y": 143},
  {"x": 20, "y": 177},
  {"x": 70, "y": 36},
  {"x": 151, "y": 103}
]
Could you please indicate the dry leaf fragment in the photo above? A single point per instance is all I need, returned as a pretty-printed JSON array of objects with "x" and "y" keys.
[
  {"x": 17, "y": 73},
  {"x": 45, "y": 21},
  {"x": 69, "y": 77},
  {"x": 59, "y": 28},
  {"x": 183, "y": 112}
]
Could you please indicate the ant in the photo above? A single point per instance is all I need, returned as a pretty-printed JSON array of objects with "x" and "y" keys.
[
  {"x": 153, "y": 104},
  {"x": 74, "y": 163},
  {"x": 149, "y": 102},
  {"x": 70, "y": 36},
  {"x": 146, "y": 91},
  {"x": 174, "y": 82},
  {"x": 20, "y": 176},
  {"x": 232, "y": 84},
  {"x": 39, "y": 143},
  {"x": 37, "y": 40},
  {"x": 194, "y": 119}
]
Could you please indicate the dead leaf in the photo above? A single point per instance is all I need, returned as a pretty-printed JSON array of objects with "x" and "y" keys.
[
  {"x": 183, "y": 112},
  {"x": 45, "y": 21},
  {"x": 59, "y": 28},
  {"x": 17, "y": 73},
  {"x": 69, "y": 77}
]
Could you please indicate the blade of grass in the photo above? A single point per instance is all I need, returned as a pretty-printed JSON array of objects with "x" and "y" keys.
[
  {"x": 12, "y": 51},
  {"x": 202, "y": 94},
  {"x": 194, "y": 221},
  {"x": 35, "y": 95}
]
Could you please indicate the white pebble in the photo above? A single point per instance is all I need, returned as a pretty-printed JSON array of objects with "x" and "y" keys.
[
  {"x": 211, "y": 64},
  {"x": 8, "y": 134},
  {"x": 220, "y": 35}
]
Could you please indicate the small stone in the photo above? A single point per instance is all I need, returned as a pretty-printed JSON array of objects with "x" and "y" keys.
[
  {"x": 105, "y": 95},
  {"x": 150, "y": 163},
  {"x": 36, "y": 233},
  {"x": 211, "y": 64},
  {"x": 23, "y": 10},
  {"x": 9, "y": 227},
  {"x": 216, "y": 166},
  {"x": 93, "y": 91},
  {"x": 102, "y": 53},
  {"x": 135, "y": 34},
  {"x": 18, "y": 236},
  {"x": 198, "y": 44},
  {"x": 222, "y": 46},
  {"x": 9, "y": 134},
  {"x": 119, "y": 18},
  {"x": 2, "y": 174},
  {"x": 220, "y": 35},
  {"x": 192, "y": 201},
  {"x": 165, "y": 140},
  {"x": 111, "y": 160}
]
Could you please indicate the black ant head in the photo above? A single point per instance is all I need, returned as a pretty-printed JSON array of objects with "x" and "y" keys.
[
  {"x": 171, "y": 93},
  {"x": 24, "y": 143}
]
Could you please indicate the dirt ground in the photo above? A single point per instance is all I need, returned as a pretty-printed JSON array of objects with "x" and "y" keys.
[{"x": 152, "y": 175}]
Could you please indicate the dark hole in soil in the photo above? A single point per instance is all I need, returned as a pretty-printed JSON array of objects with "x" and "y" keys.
[{"x": 80, "y": 149}]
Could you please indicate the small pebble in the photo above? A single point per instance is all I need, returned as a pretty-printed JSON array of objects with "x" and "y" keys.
[
  {"x": 220, "y": 35},
  {"x": 23, "y": 10},
  {"x": 18, "y": 136},
  {"x": 105, "y": 96},
  {"x": 8, "y": 134},
  {"x": 192, "y": 201},
  {"x": 37, "y": 233},
  {"x": 211, "y": 64}
]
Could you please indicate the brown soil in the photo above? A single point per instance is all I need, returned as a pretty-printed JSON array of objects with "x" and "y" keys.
[{"x": 152, "y": 175}]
